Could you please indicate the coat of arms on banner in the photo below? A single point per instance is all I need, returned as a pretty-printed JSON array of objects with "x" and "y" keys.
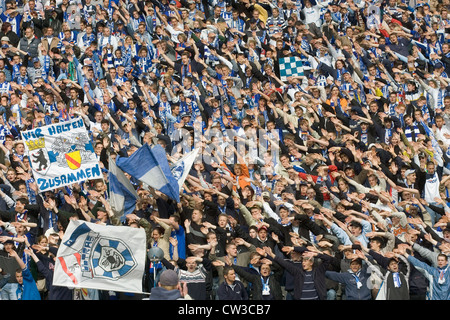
[
  {"x": 71, "y": 151},
  {"x": 39, "y": 158},
  {"x": 66, "y": 152},
  {"x": 96, "y": 256}
]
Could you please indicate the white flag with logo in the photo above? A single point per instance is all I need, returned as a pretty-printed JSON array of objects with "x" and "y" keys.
[
  {"x": 181, "y": 168},
  {"x": 95, "y": 256}
]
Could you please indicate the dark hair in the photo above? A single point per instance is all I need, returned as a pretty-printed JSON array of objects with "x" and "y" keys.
[
  {"x": 23, "y": 200},
  {"x": 443, "y": 255},
  {"x": 357, "y": 260},
  {"x": 356, "y": 224},
  {"x": 380, "y": 240},
  {"x": 227, "y": 269},
  {"x": 5, "y": 26}
]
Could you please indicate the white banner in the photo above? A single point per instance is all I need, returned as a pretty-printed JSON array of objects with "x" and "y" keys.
[
  {"x": 61, "y": 154},
  {"x": 95, "y": 256}
]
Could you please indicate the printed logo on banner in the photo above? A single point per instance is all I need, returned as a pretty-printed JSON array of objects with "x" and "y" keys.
[
  {"x": 73, "y": 159},
  {"x": 178, "y": 170},
  {"x": 66, "y": 152},
  {"x": 96, "y": 257},
  {"x": 39, "y": 155},
  {"x": 71, "y": 151}
]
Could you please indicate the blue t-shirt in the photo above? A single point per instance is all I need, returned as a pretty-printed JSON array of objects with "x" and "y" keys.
[{"x": 179, "y": 235}]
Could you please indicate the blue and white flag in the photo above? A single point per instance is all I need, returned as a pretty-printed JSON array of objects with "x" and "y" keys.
[
  {"x": 299, "y": 169},
  {"x": 95, "y": 256},
  {"x": 290, "y": 66},
  {"x": 122, "y": 195},
  {"x": 150, "y": 166},
  {"x": 181, "y": 168}
]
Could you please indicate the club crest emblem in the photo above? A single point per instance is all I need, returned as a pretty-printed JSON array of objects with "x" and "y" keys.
[
  {"x": 178, "y": 170},
  {"x": 73, "y": 159}
]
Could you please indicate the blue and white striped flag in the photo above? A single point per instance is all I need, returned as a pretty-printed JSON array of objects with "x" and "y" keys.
[
  {"x": 122, "y": 195},
  {"x": 150, "y": 166},
  {"x": 299, "y": 169}
]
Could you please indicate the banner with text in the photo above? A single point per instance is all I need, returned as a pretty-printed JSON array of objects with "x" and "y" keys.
[
  {"x": 61, "y": 154},
  {"x": 102, "y": 257}
]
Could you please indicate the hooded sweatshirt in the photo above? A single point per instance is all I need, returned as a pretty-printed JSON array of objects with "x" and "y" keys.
[{"x": 160, "y": 293}]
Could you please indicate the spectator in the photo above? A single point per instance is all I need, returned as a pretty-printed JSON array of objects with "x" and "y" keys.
[
  {"x": 355, "y": 279},
  {"x": 230, "y": 288},
  {"x": 309, "y": 280},
  {"x": 170, "y": 288},
  {"x": 26, "y": 289}
]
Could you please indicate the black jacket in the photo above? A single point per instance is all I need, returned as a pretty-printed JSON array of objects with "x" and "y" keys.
[
  {"x": 257, "y": 286},
  {"x": 298, "y": 274},
  {"x": 238, "y": 292}
]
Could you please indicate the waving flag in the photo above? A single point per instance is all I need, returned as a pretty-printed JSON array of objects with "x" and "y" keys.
[
  {"x": 181, "y": 168},
  {"x": 290, "y": 66},
  {"x": 150, "y": 166},
  {"x": 122, "y": 195},
  {"x": 95, "y": 256}
]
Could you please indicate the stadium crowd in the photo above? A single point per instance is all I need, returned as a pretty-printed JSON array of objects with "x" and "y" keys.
[{"x": 329, "y": 183}]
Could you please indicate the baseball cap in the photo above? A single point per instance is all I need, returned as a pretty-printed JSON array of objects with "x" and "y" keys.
[
  {"x": 168, "y": 278},
  {"x": 410, "y": 171},
  {"x": 5, "y": 38}
]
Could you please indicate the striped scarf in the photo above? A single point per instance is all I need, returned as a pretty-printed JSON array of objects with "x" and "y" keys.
[
  {"x": 364, "y": 137},
  {"x": 409, "y": 132},
  {"x": 388, "y": 135},
  {"x": 440, "y": 98}
]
